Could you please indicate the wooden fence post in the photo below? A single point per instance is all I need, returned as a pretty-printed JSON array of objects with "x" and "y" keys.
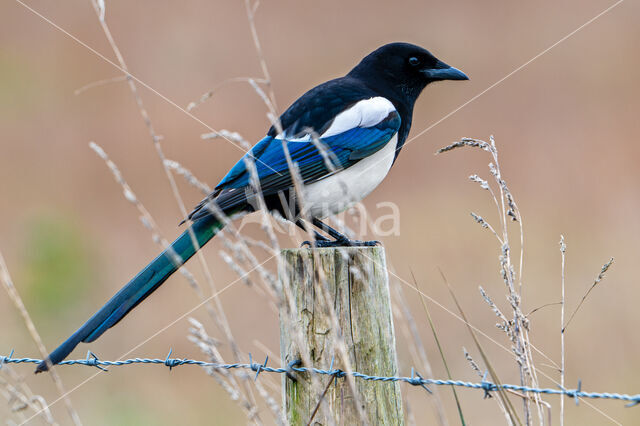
[{"x": 355, "y": 282}]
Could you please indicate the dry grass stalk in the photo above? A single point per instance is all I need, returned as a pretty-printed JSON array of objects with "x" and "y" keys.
[
  {"x": 509, "y": 410},
  {"x": 229, "y": 135},
  {"x": 188, "y": 176},
  {"x": 208, "y": 95},
  {"x": 474, "y": 366},
  {"x": 209, "y": 347},
  {"x": 149, "y": 223},
  {"x": 236, "y": 248},
  {"x": 440, "y": 349},
  {"x": 324, "y": 293},
  {"x": 517, "y": 327},
  {"x": 251, "y": 13},
  {"x": 99, "y": 83},
  {"x": 563, "y": 250},
  {"x": 20, "y": 398},
  {"x": 599, "y": 278},
  {"x": 293, "y": 168},
  {"x": 419, "y": 353},
  {"x": 220, "y": 317},
  {"x": 13, "y": 294},
  {"x": 282, "y": 296}
]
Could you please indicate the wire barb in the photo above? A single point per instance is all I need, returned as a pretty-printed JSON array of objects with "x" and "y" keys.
[
  {"x": 173, "y": 362},
  {"x": 487, "y": 386},
  {"x": 93, "y": 361},
  {"x": 258, "y": 368},
  {"x": 417, "y": 380},
  {"x": 5, "y": 359}
]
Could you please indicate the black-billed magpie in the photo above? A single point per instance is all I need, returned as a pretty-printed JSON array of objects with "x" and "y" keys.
[{"x": 343, "y": 136}]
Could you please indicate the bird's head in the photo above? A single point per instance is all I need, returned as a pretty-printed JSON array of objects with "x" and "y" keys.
[{"x": 405, "y": 67}]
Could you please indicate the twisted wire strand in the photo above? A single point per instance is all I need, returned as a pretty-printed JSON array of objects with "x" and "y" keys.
[{"x": 294, "y": 367}]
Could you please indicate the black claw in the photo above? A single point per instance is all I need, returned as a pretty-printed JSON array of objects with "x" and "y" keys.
[
  {"x": 340, "y": 243},
  {"x": 365, "y": 243},
  {"x": 339, "y": 239}
]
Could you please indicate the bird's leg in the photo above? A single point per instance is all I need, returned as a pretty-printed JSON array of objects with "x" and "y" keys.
[
  {"x": 340, "y": 240},
  {"x": 316, "y": 235}
]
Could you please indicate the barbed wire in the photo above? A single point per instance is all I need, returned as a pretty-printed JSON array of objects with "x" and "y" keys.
[{"x": 294, "y": 367}]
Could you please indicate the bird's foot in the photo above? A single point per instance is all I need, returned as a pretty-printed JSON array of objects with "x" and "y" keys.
[{"x": 340, "y": 243}]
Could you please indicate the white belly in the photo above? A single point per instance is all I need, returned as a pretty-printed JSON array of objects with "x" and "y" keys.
[{"x": 342, "y": 190}]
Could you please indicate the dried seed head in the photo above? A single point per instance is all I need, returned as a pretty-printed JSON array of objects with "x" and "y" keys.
[
  {"x": 480, "y": 220},
  {"x": 474, "y": 143},
  {"x": 483, "y": 183}
]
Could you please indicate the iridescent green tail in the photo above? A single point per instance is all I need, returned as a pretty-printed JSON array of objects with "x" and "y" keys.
[{"x": 141, "y": 286}]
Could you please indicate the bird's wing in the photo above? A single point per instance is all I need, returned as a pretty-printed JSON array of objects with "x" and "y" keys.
[
  {"x": 354, "y": 133},
  {"x": 315, "y": 159}
]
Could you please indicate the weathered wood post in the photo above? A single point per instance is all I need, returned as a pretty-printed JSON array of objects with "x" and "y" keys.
[{"x": 357, "y": 322}]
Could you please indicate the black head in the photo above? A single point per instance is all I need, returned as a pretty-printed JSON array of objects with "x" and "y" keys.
[{"x": 403, "y": 67}]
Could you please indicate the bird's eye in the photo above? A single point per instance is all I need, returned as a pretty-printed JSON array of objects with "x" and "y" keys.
[{"x": 413, "y": 61}]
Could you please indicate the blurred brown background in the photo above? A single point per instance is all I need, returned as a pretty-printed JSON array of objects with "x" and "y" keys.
[{"x": 566, "y": 126}]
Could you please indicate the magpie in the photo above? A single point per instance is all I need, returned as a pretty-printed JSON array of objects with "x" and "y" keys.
[{"x": 342, "y": 137}]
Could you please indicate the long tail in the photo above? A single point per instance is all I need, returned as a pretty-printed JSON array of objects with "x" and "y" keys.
[{"x": 141, "y": 286}]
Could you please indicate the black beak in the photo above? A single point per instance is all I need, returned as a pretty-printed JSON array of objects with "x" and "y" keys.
[{"x": 443, "y": 71}]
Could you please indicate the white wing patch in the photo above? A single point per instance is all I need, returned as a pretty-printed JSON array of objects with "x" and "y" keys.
[
  {"x": 303, "y": 138},
  {"x": 364, "y": 113}
]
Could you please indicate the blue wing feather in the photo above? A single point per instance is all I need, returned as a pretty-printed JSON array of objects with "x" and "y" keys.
[{"x": 344, "y": 149}]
